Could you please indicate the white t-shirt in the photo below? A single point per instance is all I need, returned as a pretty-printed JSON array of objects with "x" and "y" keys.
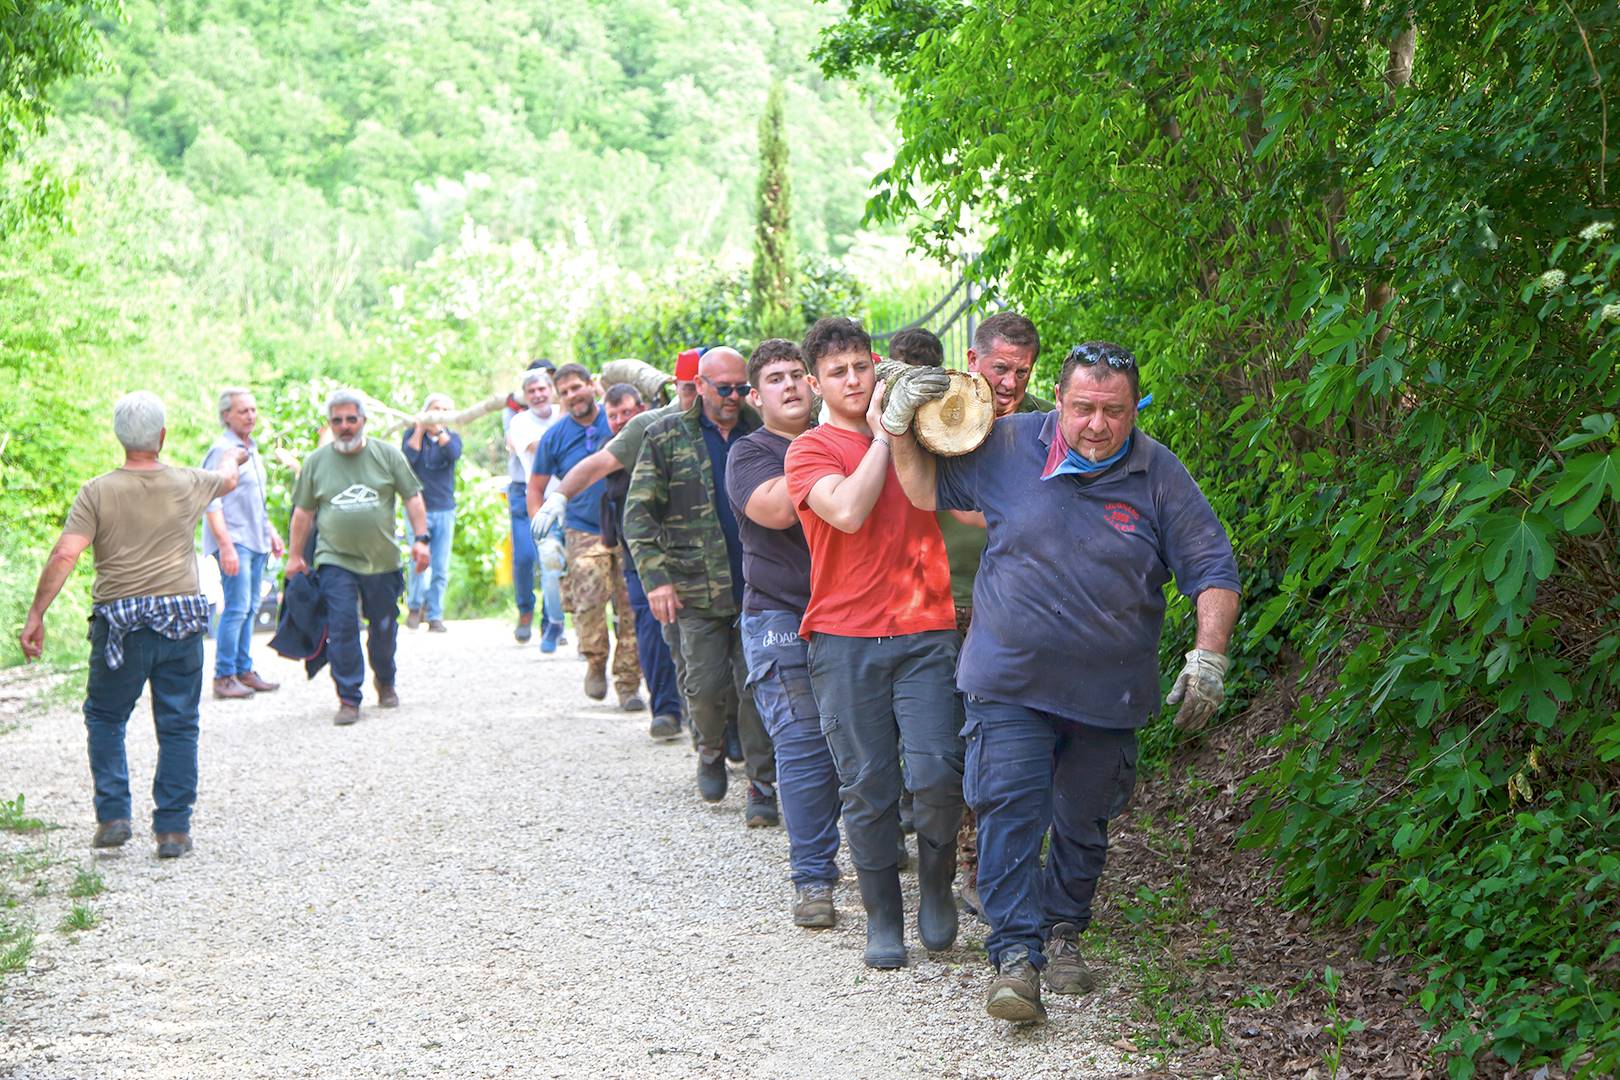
[{"x": 524, "y": 432}]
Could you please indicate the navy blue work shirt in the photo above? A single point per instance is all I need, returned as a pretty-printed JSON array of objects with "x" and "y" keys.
[
  {"x": 719, "y": 446},
  {"x": 564, "y": 445},
  {"x": 1069, "y": 601},
  {"x": 435, "y": 466}
]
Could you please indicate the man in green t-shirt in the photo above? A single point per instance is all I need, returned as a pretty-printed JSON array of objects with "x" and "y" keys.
[{"x": 347, "y": 491}]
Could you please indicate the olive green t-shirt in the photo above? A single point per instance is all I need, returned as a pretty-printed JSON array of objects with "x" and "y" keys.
[
  {"x": 142, "y": 527},
  {"x": 626, "y": 445},
  {"x": 352, "y": 497}
]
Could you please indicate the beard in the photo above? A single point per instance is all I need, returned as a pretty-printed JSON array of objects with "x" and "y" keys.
[{"x": 349, "y": 446}]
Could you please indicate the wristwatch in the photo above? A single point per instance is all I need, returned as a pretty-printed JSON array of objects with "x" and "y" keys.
[{"x": 422, "y": 538}]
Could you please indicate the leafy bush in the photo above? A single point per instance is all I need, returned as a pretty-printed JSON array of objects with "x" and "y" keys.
[{"x": 1366, "y": 253}]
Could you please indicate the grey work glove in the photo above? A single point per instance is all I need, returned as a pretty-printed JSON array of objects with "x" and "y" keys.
[
  {"x": 1199, "y": 689},
  {"x": 890, "y": 368},
  {"x": 909, "y": 390},
  {"x": 545, "y": 519}
]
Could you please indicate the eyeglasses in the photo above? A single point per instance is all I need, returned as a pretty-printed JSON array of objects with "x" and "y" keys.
[
  {"x": 726, "y": 389},
  {"x": 1093, "y": 353}
]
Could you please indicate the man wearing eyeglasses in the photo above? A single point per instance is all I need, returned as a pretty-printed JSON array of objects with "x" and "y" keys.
[
  {"x": 1087, "y": 520},
  {"x": 682, "y": 533},
  {"x": 594, "y": 575}
]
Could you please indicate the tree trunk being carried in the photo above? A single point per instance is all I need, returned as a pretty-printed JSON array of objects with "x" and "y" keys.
[
  {"x": 958, "y": 422},
  {"x": 654, "y": 385}
]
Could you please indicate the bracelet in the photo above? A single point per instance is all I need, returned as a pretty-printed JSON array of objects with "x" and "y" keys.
[{"x": 884, "y": 441}]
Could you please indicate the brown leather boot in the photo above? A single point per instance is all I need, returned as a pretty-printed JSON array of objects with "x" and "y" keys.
[
  {"x": 257, "y": 683},
  {"x": 346, "y": 714},
  {"x": 414, "y": 619},
  {"x": 386, "y": 698},
  {"x": 231, "y": 687}
]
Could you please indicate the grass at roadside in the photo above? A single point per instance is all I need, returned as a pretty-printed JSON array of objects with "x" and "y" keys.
[{"x": 41, "y": 885}]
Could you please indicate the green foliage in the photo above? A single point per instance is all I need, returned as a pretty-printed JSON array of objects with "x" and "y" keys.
[
  {"x": 14, "y": 819},
  {"x": 772, "y": 281},
  {"x": 1375, "y": 295}
]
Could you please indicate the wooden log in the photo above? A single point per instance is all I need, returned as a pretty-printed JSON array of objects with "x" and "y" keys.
[
  {"x": 654, "y": 386},
  {"x": 960, "y": 421},
  {"x": 447, "y": 417}
]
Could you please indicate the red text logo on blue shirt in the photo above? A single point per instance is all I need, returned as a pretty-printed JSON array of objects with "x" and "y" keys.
[{"x": 1122, "y": 516}]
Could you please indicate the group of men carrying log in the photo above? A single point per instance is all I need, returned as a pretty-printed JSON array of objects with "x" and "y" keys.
[{"x": 886, "y": 629}]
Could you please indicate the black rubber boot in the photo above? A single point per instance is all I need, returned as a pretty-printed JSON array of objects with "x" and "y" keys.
[
  {"x": 885, "y": 919},
  {"x": 936, "y": 902}
]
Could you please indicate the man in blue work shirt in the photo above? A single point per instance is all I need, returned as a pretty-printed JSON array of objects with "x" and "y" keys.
[
  {"x": 433, "y": 450},
  {"x": 594, "y": 573},
  {"x": 1087, "y": 519}
]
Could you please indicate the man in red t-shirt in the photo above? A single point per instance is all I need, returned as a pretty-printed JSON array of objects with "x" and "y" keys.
[{"x": 882, "y": 633}]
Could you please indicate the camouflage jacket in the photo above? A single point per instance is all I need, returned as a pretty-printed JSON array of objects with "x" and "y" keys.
[{"x": 669, "y": 517}]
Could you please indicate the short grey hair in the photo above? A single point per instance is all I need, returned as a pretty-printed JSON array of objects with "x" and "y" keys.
[
  {"x": 427, "y": 404},
  {"x": 228, "y": 396},
  {"x": 537, "y": 375},
  {"x": 138, "y": 421},
  {"x": 345, "y": 397}
]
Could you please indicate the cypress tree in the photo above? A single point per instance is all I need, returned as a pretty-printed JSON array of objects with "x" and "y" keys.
[{"x": 773, "y": 279}]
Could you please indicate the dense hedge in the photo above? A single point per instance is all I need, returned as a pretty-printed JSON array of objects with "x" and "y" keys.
[{"x": 1367, "y": 255}]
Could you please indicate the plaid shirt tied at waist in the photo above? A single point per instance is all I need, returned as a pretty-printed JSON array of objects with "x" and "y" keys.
[{"x": 174, "y": 617}]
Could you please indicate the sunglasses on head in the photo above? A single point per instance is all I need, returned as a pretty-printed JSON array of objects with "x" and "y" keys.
[
  {"x": 726, "y": 389},
  {"x": 1092, "y": 355}
]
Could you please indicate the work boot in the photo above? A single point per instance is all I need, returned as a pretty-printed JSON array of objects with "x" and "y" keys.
[
  {"x": 1016, "y": 992},
  {"x": 1066, "y": 970},
  {"x": 665, "y": 726},
  {"x": 734, "y": 750},
  {"x": 257, "y": 683},
  {"x": 885, "y": 918},
  {"x": 413, "y": 619},
  {"x": 631, "y": 702},
  {"x": 172, "y": 845},
  {"x": 436, "y": 626},
  {"x": 229, "y": 687},
  {"x": 711, "y": 777},
  {"x": 936, "y": 903},
  {"x": 114, "y": 833},
  {"x": 761, "y": 809},
  {"x": 813, "y": 905},
  {"x": 524, "y": 629},
  {"x": 386, "y": 698},
  {"x": 346, "y": 714},
  {"x": 551, "y": 636},
  {"x": 596, "y": 680}
]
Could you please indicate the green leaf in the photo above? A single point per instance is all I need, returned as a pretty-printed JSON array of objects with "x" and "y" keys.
[{"x": 1585, "y": 480}]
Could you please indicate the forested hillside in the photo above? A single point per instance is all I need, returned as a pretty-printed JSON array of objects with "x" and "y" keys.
[{"x": 398, "y": 194}]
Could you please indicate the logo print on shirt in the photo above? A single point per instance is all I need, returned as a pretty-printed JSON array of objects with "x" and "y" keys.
[
  {"x": 355, "y": 497},
  {"x": 1122, "y": 516}
]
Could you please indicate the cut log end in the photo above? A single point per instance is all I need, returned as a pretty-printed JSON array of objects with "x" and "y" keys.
[{"x": 958, "y": 422}]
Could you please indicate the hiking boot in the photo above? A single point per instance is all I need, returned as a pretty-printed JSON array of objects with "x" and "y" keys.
[
  {"x": 114, "y": 833},
  {"x": 711, "y": 778},
  {"x": 734, "y": 750},
  {"x": 1016, "y": 992},
  {"x": 172, "y": 845},
  {"x": 813, "y": 905},
  {"x": 665, "y": 726},
  {"x": 761, "y": 809},
  {"x": 257, "y": 683},
  {"x": 596, "y": 682},
  {"x": 230, "y": 687},
  {"x": 936, "y": 903},
  {"x": 631, "y": 702},
  {"x": 346, "y": 714},
  {"x": 1066, "y": 970},
  {"x": 967, "y": 898},
  {"x": 386, "y": 698},
  {"x": 413, "y": 619},
  {"x": 551, "y": 637},
  {"x": 885, "y": 918},
  {"x": 523, "y": 630},
  {"x": 436, "y": 626}
]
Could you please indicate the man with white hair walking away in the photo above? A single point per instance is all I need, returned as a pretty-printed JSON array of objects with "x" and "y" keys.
[
  {"x": 346, "y": 491},
  {"x": 148, "y": 618},
  {"x": 433, "y": 450},
  {"x": 240, "y": 536}
]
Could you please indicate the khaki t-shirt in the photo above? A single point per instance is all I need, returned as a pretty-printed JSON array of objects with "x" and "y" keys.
[
  {"x": 352, "y": 497},
  {"x": 142, "y": 524}
]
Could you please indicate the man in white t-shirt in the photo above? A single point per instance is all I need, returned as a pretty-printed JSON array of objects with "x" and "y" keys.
[{"x": 523, "y": 431}]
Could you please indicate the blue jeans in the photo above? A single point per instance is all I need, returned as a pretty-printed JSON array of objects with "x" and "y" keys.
[
  {"x": 1026, "y": 771},
  {"x": 524, "y": 556},
  {"x": 657, "y": 667},
  {"x": 234, "y": 635},
  {"x": 806, "y": 780},
  {"x": 427, "y": 589},
  {"x": 174, "y": 670},
  {"x": 347, "y": 595}
]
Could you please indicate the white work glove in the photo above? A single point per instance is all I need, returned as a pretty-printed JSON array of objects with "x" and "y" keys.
[
  {"x": 890, "y": 368},
  {"x": 909, "y": 390},
  {"x": 550, "y": 512},
  {"x": 1199, "y": 689}
]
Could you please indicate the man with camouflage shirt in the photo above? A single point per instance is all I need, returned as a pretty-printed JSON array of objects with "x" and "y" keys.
[{"x": 683, "y": 536}]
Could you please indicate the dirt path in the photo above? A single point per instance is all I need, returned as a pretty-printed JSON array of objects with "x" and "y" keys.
[{"x": 500, "y": 878}]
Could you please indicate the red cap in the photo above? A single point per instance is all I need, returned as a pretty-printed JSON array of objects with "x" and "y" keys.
[{"x": 686, "y": 366}]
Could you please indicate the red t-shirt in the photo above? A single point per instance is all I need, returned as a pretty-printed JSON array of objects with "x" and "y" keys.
[{"x": 889, "y": 577}]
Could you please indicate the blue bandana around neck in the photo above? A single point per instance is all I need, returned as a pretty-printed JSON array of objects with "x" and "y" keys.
[{"x": 1073, "y": 463}]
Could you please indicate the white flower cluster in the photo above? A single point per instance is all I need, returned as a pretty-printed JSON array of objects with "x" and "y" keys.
[
  {"x": 1610, "y": 313},
  {"x": 1552, "y": 281},
  {"x": 1597, "y": 230}
]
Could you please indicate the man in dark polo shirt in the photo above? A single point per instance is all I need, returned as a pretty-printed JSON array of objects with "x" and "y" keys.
[{"x": 1087, "y": 520}]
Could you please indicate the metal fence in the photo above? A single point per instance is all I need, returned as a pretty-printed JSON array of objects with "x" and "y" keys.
[{"x": 953, "y": 317}]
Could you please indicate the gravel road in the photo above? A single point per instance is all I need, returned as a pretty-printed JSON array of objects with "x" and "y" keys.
[{"x": 500, "y": 878}]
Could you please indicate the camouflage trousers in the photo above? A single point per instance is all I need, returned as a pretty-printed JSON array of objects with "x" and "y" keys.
[{"x": 596, "y": 576}]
